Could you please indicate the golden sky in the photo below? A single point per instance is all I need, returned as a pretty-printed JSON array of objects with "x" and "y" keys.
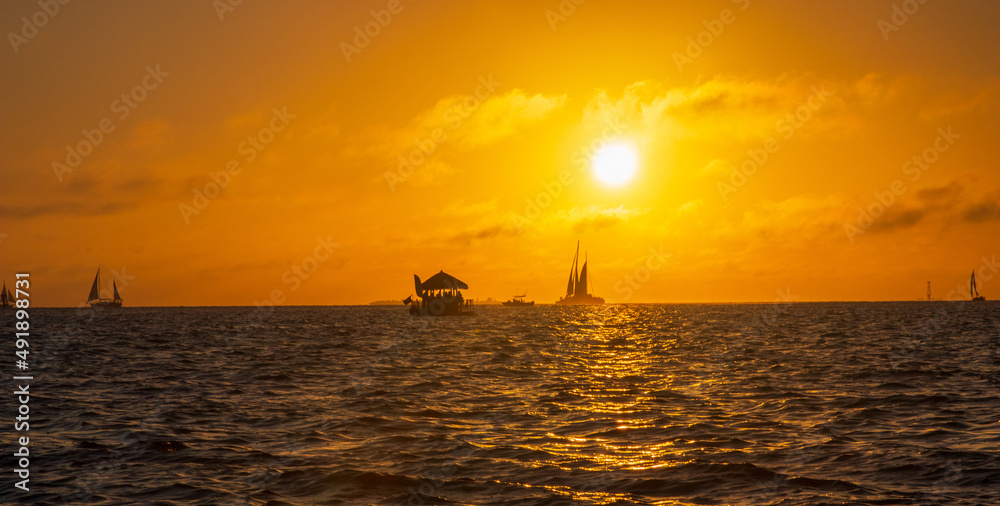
[{"x": 294, "y": 122}]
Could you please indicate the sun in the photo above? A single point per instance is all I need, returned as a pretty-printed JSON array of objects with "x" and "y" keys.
[{"x": 615, "y": 164}]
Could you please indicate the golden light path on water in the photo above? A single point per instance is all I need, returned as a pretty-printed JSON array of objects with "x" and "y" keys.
[{"x": 617, "y": 355}]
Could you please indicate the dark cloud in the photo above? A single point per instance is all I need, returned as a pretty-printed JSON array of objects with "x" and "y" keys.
[
  {"x": 982, "y": 212},
  {"x": 942, "y": 194},
  {"x": 79, "y": 208},
  {"x": 899, "y": 220},
  {"x": 597, "y": 222},
  {"x": 484, "y": 232}
]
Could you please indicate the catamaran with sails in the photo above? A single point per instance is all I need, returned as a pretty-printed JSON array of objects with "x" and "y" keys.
[
  {"x": 95, "y": 300},
  {"x": 576, "y": 289}
]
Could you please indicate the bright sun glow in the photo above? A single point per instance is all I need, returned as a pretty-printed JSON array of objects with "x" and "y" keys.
[{"x": 615, "y": 164}]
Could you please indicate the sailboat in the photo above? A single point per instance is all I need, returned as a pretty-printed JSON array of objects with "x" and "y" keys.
[
  {"x": 95, "y": 300},
  {"x": 6, "y": 298},
  {"x": 576, "y": 289},
  {"x": 972, "y": 290}
]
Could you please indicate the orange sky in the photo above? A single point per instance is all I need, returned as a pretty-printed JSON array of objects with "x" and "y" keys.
[{"x": 507, "y": 98}]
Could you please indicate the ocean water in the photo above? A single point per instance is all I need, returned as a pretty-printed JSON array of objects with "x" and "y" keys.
[{"x": 827, "y": 403}]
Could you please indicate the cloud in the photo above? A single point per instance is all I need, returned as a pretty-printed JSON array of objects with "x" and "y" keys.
[
  {"x": 80, "y": 208},
  {"x": 987, "y": 210},
  {"x": 461, "y": 208},
  {"x": 502, "y": 116},
  {"x": 151, "y": 136},
  {"x": 592, "y": 218},
  {"x": 455, "y": 124},
  {"x": 484, "y": 231},
  {"x": 736, "y": 107},
  {"x": 747, "y": 107},
  {"x": 806, "y": 218}
]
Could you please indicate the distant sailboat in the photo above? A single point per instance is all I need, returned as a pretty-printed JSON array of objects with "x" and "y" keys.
[
  {"x": 576, "y": 289},
  {"x": 95, "y": 300},
  {"x": 972, "y": 290},
  {"x": 6, "y": 298}
]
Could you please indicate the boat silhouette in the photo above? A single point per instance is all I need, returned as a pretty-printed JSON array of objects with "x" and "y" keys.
[
  {"x": 576, "y": 289},
  {"x": 973, "y": 292},
  {"x": 518, "y": 300},
  {"x": 6, "y": 298},
  {"x": 440, "y": 296},
  {"x": 95, "y": 299}
]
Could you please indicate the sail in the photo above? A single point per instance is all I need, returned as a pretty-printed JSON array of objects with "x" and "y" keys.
[
  {"x": 576, "y": 263},
  {"x": 95, "y": 291},
  {"x": 972, "y": 285},
  {"x": 581, "y": 285},
  {"x": 571, "y": 285},
  {"x": 115, "y": 286},
  {"x": 3, "y": 296}
]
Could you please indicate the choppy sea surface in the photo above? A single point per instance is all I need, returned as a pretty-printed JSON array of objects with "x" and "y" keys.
[{"x": 827, "y": 403}]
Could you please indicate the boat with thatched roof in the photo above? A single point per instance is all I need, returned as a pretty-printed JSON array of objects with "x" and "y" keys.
[{"x": 441, "y": 295}]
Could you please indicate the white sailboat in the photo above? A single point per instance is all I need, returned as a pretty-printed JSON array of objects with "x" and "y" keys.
[
  {"x": 95, "y": 300},
  {"x": 973, "y": 291}
]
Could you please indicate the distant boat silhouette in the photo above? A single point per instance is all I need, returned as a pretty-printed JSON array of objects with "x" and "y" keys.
[
  {"x": 95, "y": 300},
  {"x": 576, "y": 289},
  {"x": 518, "y": 300},
  {"x": 972, "y": 290},
  {"x": 6, "y": 298},
  {"x": 440, "y": 296}
]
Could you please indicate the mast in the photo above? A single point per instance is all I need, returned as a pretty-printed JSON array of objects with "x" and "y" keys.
[
  {"x": 576, "y": 262},
  {"x": 569, "y": 286}
]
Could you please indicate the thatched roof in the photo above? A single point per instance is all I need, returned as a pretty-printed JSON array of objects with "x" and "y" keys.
[{"x": 443, "y": 281}]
